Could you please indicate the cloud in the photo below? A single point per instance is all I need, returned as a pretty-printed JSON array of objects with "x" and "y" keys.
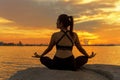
[
  {"x": 89, "y": 26},
  {"x": 43, "y": 13},
  {"x": 27, "y": 12},
  {"x": 5, "y": 21}
]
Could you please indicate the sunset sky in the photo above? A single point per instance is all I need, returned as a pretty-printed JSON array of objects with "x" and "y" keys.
[{"x": 34, "y": 21}]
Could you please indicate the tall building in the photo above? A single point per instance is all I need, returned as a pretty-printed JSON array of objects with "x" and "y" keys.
[
  {"x": 1, "y": 43},
  {"x": 20, "y": 43}
]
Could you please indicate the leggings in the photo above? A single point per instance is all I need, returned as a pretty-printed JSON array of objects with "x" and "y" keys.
[{"x": 69, "y": 63}]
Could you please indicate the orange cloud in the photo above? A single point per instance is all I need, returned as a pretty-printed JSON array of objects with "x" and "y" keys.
[
  {"x": 4, "y": 21},
  {"x": 80, "y": 1},
  {"x": 15, "y": 34},
  {"x": 84, "y": 1},
  {"x": 85, "y": 36},
  {"x": 108, "y": 34},
  {"x": 103, "y": 35}
]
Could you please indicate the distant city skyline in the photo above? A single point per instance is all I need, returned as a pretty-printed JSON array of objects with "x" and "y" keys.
[
  {"x": 20, "y": 44},
  {"x": 34, "y": 21},
  {"x": 46, "y": 44}
]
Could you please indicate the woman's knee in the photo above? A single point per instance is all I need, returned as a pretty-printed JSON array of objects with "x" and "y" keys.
[
  {"x": 48, "y": 62},
  {"x": 45, "y": 60},
  {"x": 81, "y": 60},
  {"x": 84, "y": 59}
]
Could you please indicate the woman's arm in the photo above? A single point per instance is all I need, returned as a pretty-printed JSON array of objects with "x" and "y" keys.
[
  {"x": 79, "y": 47},
  {"x": 49, "y": 48}
]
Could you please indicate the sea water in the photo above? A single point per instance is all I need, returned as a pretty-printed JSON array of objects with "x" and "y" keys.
[{"x": 15, "y": 58}]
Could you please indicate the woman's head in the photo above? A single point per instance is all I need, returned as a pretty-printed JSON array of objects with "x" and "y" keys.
[{"x": 64, "y": 21}]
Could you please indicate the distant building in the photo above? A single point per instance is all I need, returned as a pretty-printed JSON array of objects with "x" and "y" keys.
[
  {"x": 1, "y": 43},
  {"x": 9, "y": 44},
  {"x": 20, "y": 44}
]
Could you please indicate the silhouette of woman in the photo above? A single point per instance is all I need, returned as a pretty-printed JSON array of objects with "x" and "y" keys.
[{"x": 64, "y": 40}]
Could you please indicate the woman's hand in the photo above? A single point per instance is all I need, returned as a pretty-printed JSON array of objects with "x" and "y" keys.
[
  {"x": 92, "y": 55},
  {"x": 36, "y": 55}
]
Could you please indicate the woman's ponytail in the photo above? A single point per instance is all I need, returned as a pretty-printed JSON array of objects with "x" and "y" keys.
[
  {"x": 71, "y": 25},
  {"x": 67, "y": 21}
]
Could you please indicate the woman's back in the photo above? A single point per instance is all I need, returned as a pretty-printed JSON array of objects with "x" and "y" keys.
[
  {"x": 64, "y": 38},
  {"x": 64, "y": 44}
]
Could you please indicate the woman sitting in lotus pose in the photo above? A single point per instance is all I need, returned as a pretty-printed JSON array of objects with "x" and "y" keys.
[{"x": 64, "y": 40}]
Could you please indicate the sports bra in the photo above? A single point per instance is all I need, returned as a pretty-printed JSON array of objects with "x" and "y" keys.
[{"x": 61, "y": 47}]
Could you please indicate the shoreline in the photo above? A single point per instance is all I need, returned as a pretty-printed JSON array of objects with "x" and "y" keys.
[{"x": 47, "y": 45}]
